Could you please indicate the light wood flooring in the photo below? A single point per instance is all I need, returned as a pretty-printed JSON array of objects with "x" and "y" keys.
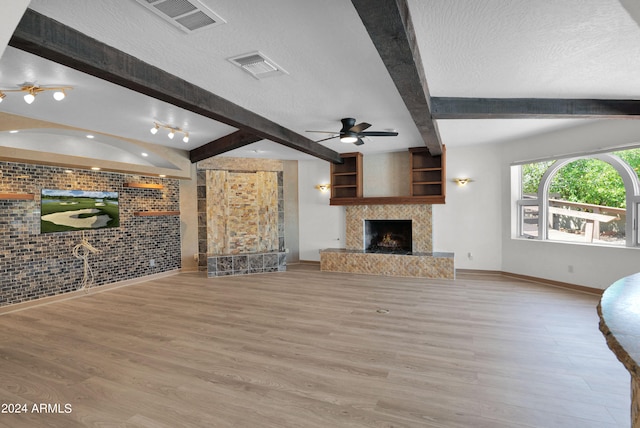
[{"x": 306, "y": 348}]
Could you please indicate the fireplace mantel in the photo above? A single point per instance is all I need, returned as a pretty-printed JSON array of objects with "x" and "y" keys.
[{"x": 389, "y": 200}]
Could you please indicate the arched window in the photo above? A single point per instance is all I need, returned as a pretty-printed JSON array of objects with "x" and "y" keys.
[{"x": 589, "y": 199}]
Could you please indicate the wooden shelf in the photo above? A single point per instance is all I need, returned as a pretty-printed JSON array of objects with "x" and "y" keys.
[
  {"x": 155, "y": 213},
  {"x": 143, "y": 185},
  {"x": 346, "y": 178},
  {"x": 18, "y": 196},
  {"x": 427, "y": 173}
]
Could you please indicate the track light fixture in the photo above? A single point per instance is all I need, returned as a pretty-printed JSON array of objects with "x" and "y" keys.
[
  {"x": 33, "y": 89},
  {"x": 172, "y": 131}
]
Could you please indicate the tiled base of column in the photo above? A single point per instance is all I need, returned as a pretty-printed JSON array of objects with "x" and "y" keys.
[{"x": 245, "y": 264}]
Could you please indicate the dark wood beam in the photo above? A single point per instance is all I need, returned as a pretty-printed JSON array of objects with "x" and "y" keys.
[
  {"x": 229, "y": 142},
  {"x": 391, "y": 30},
  {"x": 47, "y": 38},
  {"x": 529, "y": 108}
]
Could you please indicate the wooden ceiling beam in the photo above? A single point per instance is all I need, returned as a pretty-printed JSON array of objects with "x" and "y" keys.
[
  {"x": 389, "y": 25},
  {"x": 532, "y": 108},
  {"x": 52, "y": 40},
  {"x": 227, "y": 143}
]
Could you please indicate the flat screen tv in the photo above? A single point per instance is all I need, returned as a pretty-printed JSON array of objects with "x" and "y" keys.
[{"x": 65, "y": 210}]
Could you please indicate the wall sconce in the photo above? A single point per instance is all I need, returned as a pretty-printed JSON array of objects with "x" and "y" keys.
[
  {"x": 462, "y": 181},
  {"x": 172, "y": 131},
  {"x": 32, "y": 90},
  {"x": 323, "y": 187}
]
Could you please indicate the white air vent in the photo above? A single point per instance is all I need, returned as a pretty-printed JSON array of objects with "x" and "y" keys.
[
  {"x": 187, "y": 15},
  {"x": 258, "y": 65}
]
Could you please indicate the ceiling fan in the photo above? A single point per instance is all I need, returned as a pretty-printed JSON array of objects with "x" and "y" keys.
[{"x": 352, "y": 133}]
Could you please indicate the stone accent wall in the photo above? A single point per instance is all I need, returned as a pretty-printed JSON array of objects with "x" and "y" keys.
[
  {"x": 36, "y": 265},
  {"x": 240, "y": 208},
  {"x": 242, "y": 212},
  {"x": 419, "y": 214}
]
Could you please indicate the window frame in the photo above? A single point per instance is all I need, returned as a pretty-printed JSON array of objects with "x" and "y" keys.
[{"x": 632, "y": 196}]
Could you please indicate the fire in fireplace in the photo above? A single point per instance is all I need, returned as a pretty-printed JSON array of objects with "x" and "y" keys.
[{"x": 388, "y": 236}]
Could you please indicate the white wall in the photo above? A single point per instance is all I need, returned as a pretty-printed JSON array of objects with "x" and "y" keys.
[
  {"x": 470, "y": 221},
  {"x": 593, "y": 266},
  {"x": 321, "y": 225},
  {"x": 12, "y": 11}
]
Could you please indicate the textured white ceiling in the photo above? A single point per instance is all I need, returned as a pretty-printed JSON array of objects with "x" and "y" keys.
[{"x": 481, "y": 48}]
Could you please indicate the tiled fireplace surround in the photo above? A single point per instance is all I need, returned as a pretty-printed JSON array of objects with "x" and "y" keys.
[{"x": 421, "y": 263}]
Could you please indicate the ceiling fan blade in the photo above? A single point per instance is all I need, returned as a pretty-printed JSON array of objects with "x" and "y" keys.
[
  {"x": 324, "y": 132},
  {"x": 329, "y": 138},
  {"x": 378, "y": 134},
  {"x": 360, "y": 127},
  {"x": 359, "y": 142}
]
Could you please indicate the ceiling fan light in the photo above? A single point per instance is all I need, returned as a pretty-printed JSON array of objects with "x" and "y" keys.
[
  {"x": 348, "y": 139},
  {"x": 29, "y": 98},
  {"x": 59, "y": 95}
]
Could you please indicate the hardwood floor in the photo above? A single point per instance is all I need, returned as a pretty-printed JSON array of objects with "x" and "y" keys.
[{"x": 306, "y": 348}]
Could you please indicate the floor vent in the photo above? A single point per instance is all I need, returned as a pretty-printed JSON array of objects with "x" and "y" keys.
[
  {"x": 187, "y": 15},
  {"x": 258, "y": 65}
]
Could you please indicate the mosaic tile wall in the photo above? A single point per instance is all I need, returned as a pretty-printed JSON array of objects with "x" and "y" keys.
[
  {"x": 35, "y": 265},
  {"x": 239, "y": 211},
  {"x": 419, "y": 214}
]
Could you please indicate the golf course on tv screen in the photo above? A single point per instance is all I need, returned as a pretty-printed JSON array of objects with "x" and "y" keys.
[{"x": 65, "y": 210}]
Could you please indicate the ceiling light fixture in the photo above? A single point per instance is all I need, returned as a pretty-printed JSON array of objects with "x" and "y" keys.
[
  {"x": 33, "y": 89},
  {"x": 172, "y": 131},
  {"x": 348, "y": 138}
]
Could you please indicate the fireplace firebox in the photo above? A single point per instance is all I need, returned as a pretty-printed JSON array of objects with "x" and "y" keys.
[{"x": 388, "y": 236}]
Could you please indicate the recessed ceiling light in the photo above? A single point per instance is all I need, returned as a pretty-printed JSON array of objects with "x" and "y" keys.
[
  {"x": 89, "y": 136},
  {"x": 95, "y": 168},
  {"x": 68, "y": 171},
  {"x": 13, "y": 131},
  {"x": 162, "y": 176},
  {"x": 144, "y": 154}
]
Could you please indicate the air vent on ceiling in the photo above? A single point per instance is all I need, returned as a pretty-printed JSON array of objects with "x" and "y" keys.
[
  {"x": 258, "y": 65},
  {"x": 187, "y": 15}
]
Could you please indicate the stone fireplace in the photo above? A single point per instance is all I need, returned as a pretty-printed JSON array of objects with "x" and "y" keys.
[
  {"x": 415, "y": 260},
  {"x": 418, "y": 215},
  {"x": 388, "y": 236}
]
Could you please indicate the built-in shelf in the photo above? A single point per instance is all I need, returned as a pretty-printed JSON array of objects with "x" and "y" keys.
[
  {"x": 427, "y": 173},
  {"x": 18, "y": 196},
  {"x": 143, "y": 185},
  {"x": 346, "y": 178},
  {"x": 426, "y": 181},
  {"x": 155, "y": 213}
]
